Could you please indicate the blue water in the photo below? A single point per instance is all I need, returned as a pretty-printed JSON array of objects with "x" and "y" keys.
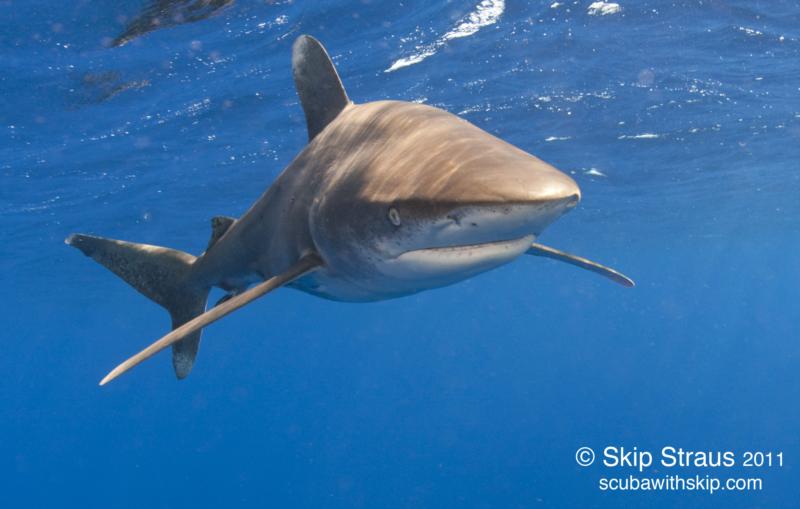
[{"x": 679, "y": 120}]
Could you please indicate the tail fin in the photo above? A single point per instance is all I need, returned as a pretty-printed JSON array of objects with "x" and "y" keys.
[{"x": 163, "y": 275}]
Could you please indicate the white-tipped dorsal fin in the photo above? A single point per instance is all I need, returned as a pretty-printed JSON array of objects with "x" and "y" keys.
[
  {"x": 549, "y": 252},
  {"x": 318, "y": 85},
  {"x": 302, "y": 267}
]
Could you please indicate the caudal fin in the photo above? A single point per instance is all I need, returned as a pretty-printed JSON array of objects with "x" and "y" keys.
[{"x": 163, "y": 275}]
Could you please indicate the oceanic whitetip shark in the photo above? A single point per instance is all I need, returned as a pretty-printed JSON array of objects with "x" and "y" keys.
[{"x": 389, "y": 198}]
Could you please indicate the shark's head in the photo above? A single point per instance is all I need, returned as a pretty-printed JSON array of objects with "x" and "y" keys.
[{"x": 443, "y": 206}]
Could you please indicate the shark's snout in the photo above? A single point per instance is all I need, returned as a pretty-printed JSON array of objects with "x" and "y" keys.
[
  {"x": 537, "y": 183},
  {"x": 560, "y": 195},
  {"x": 517, "y": 200},
  {"x": 561, "y": 189}
]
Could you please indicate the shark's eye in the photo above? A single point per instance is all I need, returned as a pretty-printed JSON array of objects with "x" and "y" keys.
[{"x": 394, "y": 216}]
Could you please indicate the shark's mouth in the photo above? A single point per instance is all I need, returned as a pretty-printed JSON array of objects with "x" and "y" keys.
[
  {"x": 497, "y": 245},
  {"x": 471, "y": 258}
]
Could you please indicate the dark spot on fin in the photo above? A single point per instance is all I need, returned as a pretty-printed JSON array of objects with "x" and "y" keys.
[
  {"x": 321, "y": 92},
  {"x": 219, "y": 225}
]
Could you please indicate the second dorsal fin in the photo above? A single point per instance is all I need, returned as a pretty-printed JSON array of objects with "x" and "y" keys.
[
  {"x": 318, "y": 85},
  {"x": 219, "y": 225}
]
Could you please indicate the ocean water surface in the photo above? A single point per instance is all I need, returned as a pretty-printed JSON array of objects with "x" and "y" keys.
[{"x": 680, "y": 120}]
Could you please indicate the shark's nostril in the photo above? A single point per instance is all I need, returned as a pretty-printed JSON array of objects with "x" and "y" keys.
[
  {"x": 573, "y": 200},
  {"x": 567, "y": 202}
]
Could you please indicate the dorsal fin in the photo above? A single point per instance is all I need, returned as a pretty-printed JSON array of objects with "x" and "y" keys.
[
  {"x": 319, "y": 87},
  {"x": 219, "y": 225}
]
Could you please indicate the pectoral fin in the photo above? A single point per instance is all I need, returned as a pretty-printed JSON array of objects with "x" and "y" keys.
[
  {"x": 302, "y": 267},
  {"x": 549, "y": 252}
]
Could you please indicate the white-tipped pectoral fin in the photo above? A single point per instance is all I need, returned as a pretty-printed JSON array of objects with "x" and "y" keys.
[
  {"x": 548, "y": 252},
  {"x": 299, "y": 269}
]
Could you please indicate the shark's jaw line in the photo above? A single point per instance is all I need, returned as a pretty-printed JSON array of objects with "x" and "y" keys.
[
  {"x": 455, "y": 262},
  {"x": 468, "y": 248}
]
